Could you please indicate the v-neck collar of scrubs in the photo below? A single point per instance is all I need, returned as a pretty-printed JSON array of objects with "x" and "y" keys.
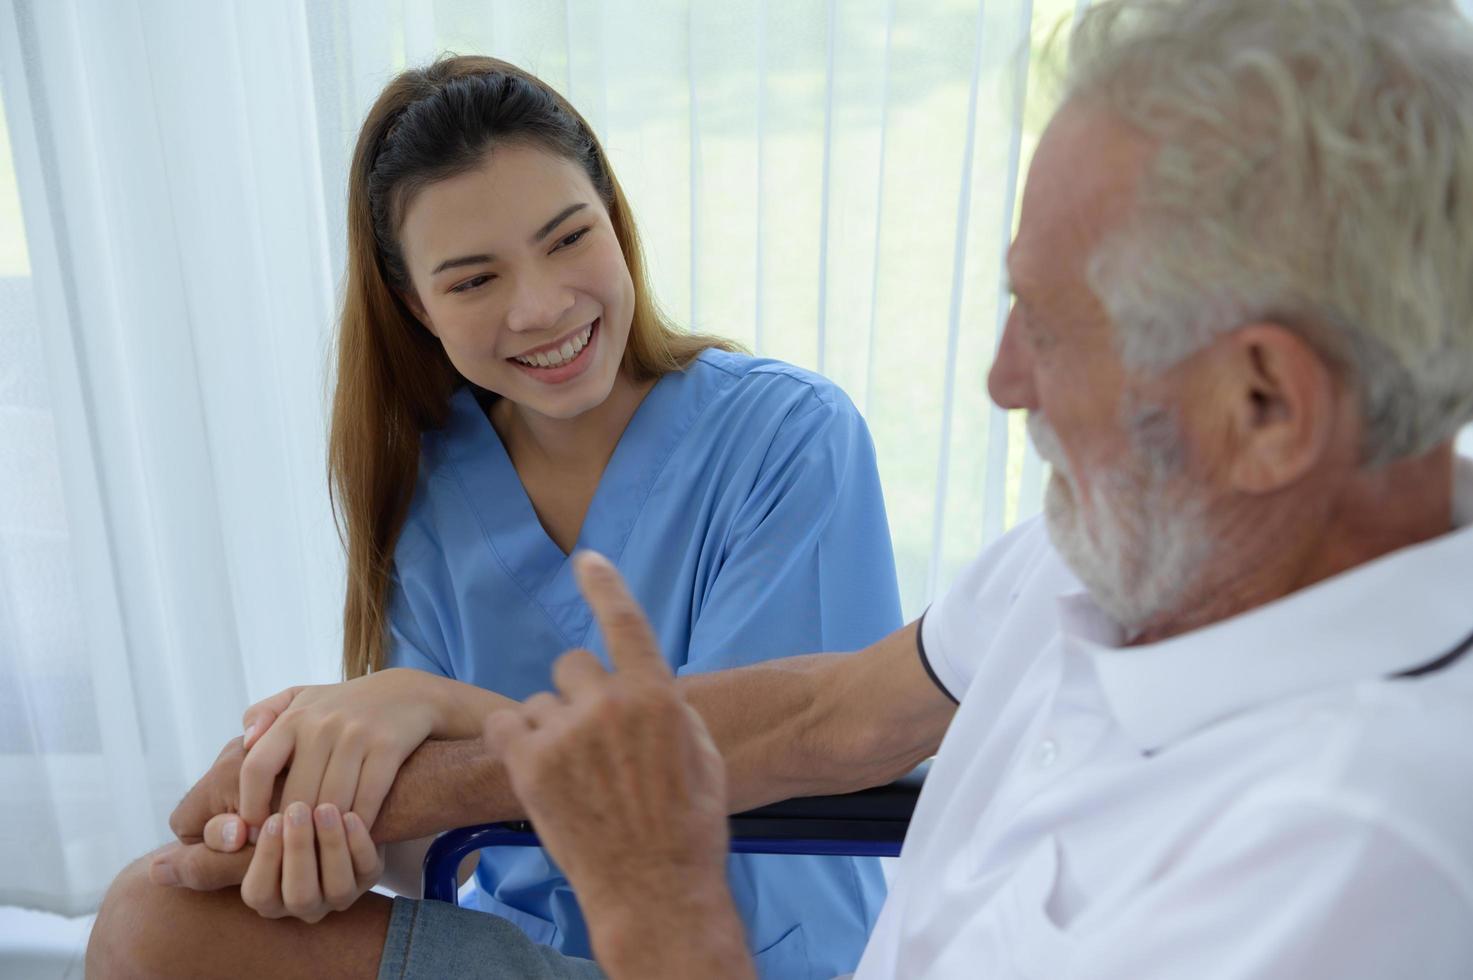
[{"x": 504, "y": 510}]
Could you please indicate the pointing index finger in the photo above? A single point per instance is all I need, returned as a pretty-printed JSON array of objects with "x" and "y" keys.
[{"x": 631, "y": 642}]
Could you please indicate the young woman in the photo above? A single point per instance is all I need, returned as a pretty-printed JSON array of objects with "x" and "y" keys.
[{"x": 507, "y": 394}]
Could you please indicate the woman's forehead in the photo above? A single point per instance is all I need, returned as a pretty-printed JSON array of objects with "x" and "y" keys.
[{"x": 500, "y": 204}]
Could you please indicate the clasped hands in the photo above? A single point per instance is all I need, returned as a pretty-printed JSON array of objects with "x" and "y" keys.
[
  {"x": 297, "y": 842},
  {"x": 617, "y": 772}
]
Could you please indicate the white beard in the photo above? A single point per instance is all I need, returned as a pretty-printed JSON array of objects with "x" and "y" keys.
[{"x": 1137, "y": 550}]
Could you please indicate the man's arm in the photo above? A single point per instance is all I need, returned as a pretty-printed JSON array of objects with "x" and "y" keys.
[
  {"x": 814, "y": 725},
  {"x": 799, "y": 726},
  {"x": 822, "y": 724}
]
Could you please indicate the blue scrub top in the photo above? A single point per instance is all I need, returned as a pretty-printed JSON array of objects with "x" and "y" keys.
[{"x": 743, "y": 507}]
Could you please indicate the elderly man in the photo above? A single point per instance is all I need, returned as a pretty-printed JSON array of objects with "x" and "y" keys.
[{"x": 1213, "y": 721}]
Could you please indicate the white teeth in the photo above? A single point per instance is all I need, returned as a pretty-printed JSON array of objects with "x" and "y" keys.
[{"x": 561, "y": 355}]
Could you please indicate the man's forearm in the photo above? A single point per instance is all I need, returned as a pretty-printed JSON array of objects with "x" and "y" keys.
[
  {"x": 763, "y": 718},
  {"x": 757, "y": 716},
  {"x": 444, "y": 785},
  {"x": 822, "y": 724},
  {"x": 784, "y": 730},
  {"x": 796, "y": 726}
]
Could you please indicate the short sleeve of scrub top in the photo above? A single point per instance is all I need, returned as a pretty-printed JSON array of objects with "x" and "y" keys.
[{"x": 743, "y": 507}]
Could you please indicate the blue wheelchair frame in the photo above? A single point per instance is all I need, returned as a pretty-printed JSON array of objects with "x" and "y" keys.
[{"x": 869, "y": 823}]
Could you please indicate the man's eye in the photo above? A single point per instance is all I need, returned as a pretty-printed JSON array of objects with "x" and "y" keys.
[{"x": 471, "y": 283}]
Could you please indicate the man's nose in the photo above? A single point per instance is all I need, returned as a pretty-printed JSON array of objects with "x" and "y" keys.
[
  {"x": 1010, "y": 381},
  {"x": 538, "y": 303}
]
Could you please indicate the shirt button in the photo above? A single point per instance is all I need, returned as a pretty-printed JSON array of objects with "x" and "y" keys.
[{"x": 1047, "y": 754}]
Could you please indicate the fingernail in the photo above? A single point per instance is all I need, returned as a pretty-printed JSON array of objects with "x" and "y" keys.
[
  {"x": 163, "y": 873},
  {"x": 253, "y": 834},
  {"x": 352, "y": 821},
  {"x": 273, "y": 825},
  {"x": 298, "y": 813},
  {"x": 231, "y": 832},
  {"x": 327, "y": 815},
  {"x": 246, "y": 741}
]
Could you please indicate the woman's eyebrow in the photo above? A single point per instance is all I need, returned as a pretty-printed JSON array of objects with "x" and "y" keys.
[
  {"x": 542, "y": 233},
  {"x": 463, "y": 260},
  {"x": 562, "y": 216}
]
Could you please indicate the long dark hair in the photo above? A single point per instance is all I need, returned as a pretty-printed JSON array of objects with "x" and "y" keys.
[{"x": 394, "y": 381}]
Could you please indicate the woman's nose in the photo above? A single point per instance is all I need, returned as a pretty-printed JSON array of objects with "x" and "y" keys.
[{"x": 538, "y": 303}]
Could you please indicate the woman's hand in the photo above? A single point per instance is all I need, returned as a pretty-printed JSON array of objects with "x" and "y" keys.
[
  {"x": 344, "y": 742},
  {"x": 311, "y": 862}
]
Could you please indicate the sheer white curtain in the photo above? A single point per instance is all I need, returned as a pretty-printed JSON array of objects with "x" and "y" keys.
[
  {"x": 829, "y": 182},
  {"x": 167, "y": 551}
]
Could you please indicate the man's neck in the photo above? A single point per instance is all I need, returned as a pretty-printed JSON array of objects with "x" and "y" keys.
[{"x": 1270, "y": 549}]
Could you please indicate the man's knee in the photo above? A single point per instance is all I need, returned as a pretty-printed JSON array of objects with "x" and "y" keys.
[{"x": 127, "y": 938}]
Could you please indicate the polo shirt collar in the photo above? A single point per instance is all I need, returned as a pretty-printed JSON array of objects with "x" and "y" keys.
[{"x": 1389, "y": 615}]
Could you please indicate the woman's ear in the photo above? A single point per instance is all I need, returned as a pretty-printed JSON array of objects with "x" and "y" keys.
[{"x": 1285, "y": 407}]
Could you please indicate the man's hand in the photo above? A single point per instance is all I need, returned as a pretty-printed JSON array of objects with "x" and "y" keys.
[
  {"x": 213, "y": 849},
  {"x": 217, "y": 792},
  {"x": 627, "y": 791}
]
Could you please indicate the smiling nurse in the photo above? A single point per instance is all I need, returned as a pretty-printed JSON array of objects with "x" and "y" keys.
[{"x": 508, "y": 394}]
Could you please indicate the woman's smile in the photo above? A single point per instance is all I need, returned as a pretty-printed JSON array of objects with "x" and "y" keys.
[{"x": 561, "y": 360}]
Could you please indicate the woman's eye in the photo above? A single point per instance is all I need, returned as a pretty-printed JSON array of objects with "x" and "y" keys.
[
  {"x": 572, "y": 239},
  {"x": 470, "y": 284}
]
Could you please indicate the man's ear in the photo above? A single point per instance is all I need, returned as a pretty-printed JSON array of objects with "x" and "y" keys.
[
  {"x": 410, "y": 299},
  {"x": 1284, "y": 407}
]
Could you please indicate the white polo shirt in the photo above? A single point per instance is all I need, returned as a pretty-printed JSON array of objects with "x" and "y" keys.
[{"x": 1259, "y": 798}]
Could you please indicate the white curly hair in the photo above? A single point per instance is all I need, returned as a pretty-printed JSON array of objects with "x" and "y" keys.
[{"x": 1315, "y": 168}]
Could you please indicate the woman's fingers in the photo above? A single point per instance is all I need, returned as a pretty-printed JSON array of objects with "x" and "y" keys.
[
  {"x": 261, "y": 887},
  {"x": 259, "y": 716},
  {"x": 258, "y": 772},
  {"x": 308, "y": 765},
  {"x": 320, "y": 738},
  {"x": 368, "y": 860},
  {"x": 335, "y": 863},
  {"x": 301, "y": 892},
  {"x": 225, "y": 832},
  {"x": 375, "y": 779},
  {"x": 310, "y": 862},
  {"x": 341, "y": 780}
]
